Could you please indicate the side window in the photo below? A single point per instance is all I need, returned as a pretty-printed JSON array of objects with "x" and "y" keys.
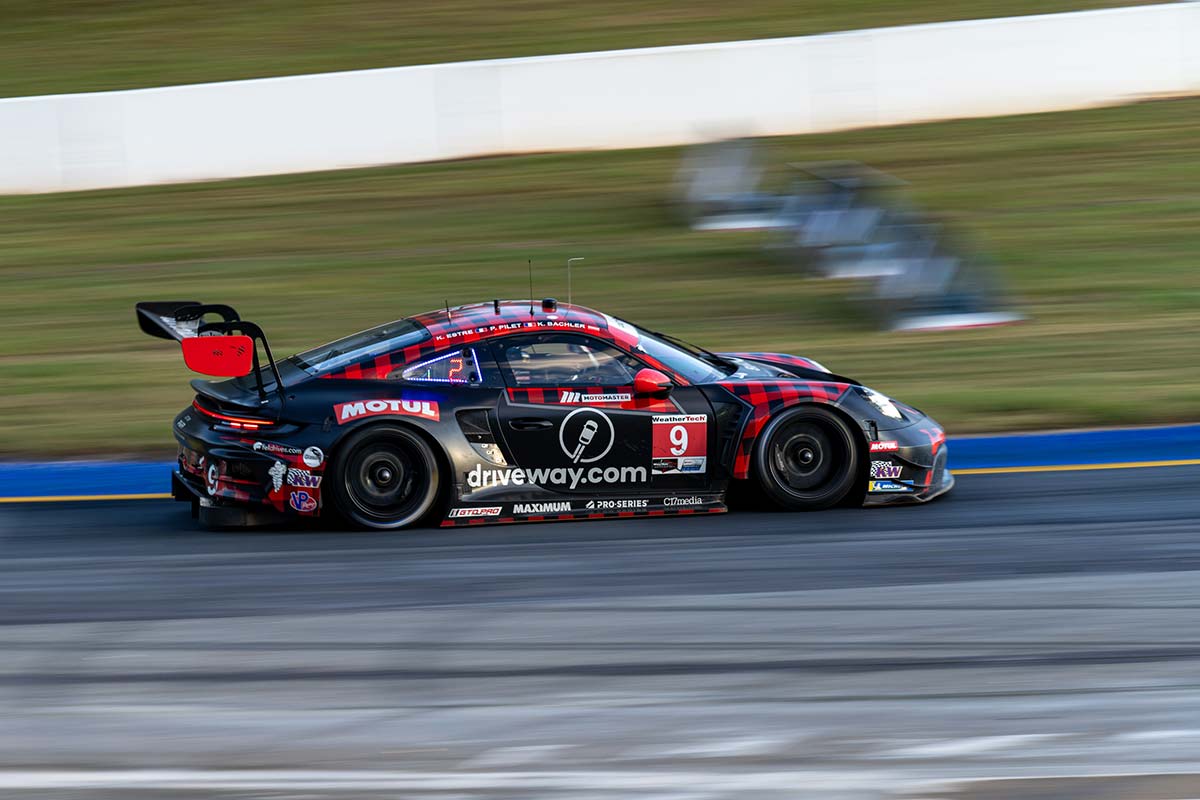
[
  {"x": 457, "y": 366},
  {"x": 564, "y": 360}
]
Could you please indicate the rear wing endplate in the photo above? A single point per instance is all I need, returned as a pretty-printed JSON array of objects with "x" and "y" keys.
[{"x": 185, "y": 319}]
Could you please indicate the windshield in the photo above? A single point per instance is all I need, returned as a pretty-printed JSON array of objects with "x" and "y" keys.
[
  {"x": 360, "y": 347},
  {"x": 694, "y": 364}
]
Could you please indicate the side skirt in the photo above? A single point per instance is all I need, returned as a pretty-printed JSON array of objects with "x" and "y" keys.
[{"x": 584, "y": 509}]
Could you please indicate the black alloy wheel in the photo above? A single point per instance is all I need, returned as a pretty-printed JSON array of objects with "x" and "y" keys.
[
  {"x": 387, "y": 478},
  {"x": 807, "y": 458}
]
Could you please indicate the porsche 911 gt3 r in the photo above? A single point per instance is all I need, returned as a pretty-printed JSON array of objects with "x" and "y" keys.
[{"x": 513, "y": 411}]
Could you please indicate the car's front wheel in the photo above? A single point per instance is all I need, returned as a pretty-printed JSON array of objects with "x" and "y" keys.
[
  {"x": 807, "y": 458},
  {"x": 386, "y": 477}
]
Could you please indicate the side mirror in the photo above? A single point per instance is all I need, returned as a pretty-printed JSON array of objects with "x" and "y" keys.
[
  {"x": 219, "y": 356},
  {"x": 651, "y": 382}
]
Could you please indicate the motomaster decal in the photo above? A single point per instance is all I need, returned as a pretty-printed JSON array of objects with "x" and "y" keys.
[
  {"x": 348, "y": 412},
  {"x": 885, "y": 469},
  {"x": 542, "y": 508},
  {"x": 577, "y": 398},
  {"x": 479, "y": 511},
  {"x": 679, "y": 442},
  {"x": 313, "y": 457},
  {"x": 302, "y": 477},
  {"x": 884, "y": 447},
  {"x": 586, "y": 435}
]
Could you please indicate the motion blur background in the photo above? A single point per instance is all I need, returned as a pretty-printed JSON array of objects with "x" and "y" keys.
[
  {"x": 1088, "y": 212},
  {"x": 877, "y": 656}
]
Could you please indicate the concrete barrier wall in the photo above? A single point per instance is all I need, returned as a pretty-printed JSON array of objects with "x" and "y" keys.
[{"x": 616, "y": 99}]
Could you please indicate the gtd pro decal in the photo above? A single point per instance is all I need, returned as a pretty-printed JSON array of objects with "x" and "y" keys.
[
  {"x": 586, "y": 435},
  {"x": 347, "y": 412}
]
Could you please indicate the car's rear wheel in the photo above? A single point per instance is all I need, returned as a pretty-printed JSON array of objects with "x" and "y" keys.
[
  {"x": 807, "y": 458},
  {"x": 387, "y": 477}
]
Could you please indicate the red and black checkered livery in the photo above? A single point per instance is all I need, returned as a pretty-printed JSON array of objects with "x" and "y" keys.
[
  {"x": 767, "y": 398},
  {"x": 530, "y": 411}
]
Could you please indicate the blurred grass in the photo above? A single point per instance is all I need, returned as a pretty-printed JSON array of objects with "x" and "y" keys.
[
  {"x": 52, "y": 46},
  {"x": 1092, "y": 215}
]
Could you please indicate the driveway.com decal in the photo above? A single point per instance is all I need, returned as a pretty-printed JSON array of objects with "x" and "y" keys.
[
  {"x": 586, "y": 435},
  {"x": 558, "y": 477}
]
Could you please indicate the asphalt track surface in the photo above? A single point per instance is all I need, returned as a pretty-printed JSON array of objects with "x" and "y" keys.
[{"x": 1029, "y": 635}]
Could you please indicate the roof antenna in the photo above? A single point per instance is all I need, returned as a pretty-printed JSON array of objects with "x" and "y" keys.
[
  {"x": 530, "y": 262},
  {"x": 448, "y": 317},
  {"x": 496, "y": 306},
  {"x": 569, "y": 260}
]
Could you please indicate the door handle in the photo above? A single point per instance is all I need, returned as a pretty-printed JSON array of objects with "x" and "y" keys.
[{"x": 529, "y": 424}]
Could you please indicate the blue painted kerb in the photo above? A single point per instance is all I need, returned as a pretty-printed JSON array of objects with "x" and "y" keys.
[{"x": 1174, "y": 443}]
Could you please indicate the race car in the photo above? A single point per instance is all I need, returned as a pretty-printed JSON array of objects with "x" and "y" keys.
[{"x": 522, "y": 411}]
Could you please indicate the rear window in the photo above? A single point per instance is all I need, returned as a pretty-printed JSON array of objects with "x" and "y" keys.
[{"x": 360, "y": 347}]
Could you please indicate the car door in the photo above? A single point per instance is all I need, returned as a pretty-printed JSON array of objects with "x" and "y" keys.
[{"x": 574, "y": 423}]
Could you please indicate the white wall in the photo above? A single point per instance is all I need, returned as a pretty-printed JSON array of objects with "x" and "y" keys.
[{"x": 617, "y": 99}]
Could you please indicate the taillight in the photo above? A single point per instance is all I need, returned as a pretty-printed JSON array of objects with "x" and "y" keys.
[{"x": 240, "y": 423}]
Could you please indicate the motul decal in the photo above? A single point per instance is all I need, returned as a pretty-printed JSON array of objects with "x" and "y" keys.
[
  {"x": 884, "y": 447},
  {"x": 347, "y": 412}
]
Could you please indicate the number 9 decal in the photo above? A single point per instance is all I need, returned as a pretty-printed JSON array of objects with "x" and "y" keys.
[{"x": 679, "y": 440}]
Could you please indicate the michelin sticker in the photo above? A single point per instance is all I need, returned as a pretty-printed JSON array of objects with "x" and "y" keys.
[
  {"x": 888, "y": 486},
  {"x": 277, "y": 472}
]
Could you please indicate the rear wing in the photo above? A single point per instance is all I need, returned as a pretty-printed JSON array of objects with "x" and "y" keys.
[{"x": 227, "y": 347}]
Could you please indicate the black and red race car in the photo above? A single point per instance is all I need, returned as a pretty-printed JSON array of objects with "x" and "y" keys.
[{"x": 513, "y": 411}]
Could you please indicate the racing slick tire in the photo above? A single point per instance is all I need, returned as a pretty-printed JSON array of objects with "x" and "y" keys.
[
  {"x": 386, "y": 477},
  {"x": 807, "y": 458}
]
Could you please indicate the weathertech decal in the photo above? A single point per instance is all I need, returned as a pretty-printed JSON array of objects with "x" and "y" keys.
[
  {"x": 347, "y": 412},
  {"x": 679, "y": 443}
]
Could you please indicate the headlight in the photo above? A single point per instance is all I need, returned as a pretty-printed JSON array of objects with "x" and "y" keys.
[{"x": 883, "y": 403}]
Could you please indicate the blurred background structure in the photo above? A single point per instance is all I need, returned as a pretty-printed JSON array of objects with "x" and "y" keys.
[
  {"x": 841, "y": 221},
  {"x": 1104, "y": 193},
  {"x": 326, "y": 166}
]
